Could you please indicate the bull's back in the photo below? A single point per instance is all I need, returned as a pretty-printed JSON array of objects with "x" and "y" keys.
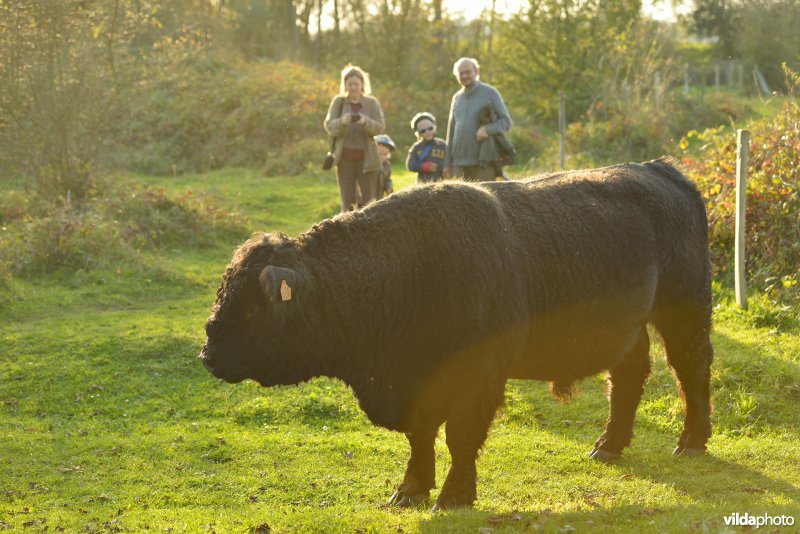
[{"x": 600, "y": 244}]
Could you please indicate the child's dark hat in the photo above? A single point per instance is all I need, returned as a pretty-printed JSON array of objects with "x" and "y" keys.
[{"x": 384, "y": 139}]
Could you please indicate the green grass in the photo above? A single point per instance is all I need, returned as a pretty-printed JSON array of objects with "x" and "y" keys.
[{"x": 108, "y": 422}]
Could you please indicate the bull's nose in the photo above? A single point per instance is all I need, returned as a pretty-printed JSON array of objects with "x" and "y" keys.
[{"x": 206, "y": 358}]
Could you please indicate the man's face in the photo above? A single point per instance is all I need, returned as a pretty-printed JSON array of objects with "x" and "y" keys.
[{"x": 467, "y": 74}]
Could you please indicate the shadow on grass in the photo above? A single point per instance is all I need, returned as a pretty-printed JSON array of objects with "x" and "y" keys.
[
  {"x": 682, "y": 518},
  {"x": 754, "y": 389},
  {"x": 716, "y": 487},
  {"x": 747, "y": 376}
]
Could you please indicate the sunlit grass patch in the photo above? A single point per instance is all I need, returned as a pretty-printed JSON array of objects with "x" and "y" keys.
[{"x": 109, "y": 422}]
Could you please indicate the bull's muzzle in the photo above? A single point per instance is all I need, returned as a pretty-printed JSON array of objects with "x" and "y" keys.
[{"x": 206, "y": 356}]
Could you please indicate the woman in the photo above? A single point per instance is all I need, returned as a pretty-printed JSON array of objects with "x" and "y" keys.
[{"x": 353, "y": 119}]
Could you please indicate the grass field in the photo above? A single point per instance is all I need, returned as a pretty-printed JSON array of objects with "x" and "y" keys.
[{"x": 108, "y": 423}]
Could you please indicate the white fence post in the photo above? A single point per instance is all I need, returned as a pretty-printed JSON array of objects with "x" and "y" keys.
[{"x": 740, "y": 281}]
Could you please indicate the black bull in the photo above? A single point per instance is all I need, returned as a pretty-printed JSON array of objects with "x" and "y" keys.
[{"x": 427, "y": 302}]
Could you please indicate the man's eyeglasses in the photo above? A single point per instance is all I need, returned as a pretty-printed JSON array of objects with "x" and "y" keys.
[{"x": 425, "y": 130}]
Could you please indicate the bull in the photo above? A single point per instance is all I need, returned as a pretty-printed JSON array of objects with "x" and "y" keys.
[{"x": 427, "y": 302}]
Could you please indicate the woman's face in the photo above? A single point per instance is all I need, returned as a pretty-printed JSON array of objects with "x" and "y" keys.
[{"x": 354, "y": 87}]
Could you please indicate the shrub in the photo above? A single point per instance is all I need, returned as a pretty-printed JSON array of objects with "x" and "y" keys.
[
  {"x": 217, "y": 111},
  {"x": 113, "y": 224},
  {"x": 616, "y": 131},
  {"x": 634, "y": 135},
  {"x": 701, "y": 111},
  {"x": 65, "y": 237},
  {"x": 773, "y": 199},
  {"x": 6, "y": 282}
]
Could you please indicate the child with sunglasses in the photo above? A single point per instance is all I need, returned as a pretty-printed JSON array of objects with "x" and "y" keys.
[{"x": 426, "y": 157}]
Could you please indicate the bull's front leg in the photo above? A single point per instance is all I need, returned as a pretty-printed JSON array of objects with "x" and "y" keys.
[
  {"x": 420, "y": 477},
  {"x": 467, "y": 427}
]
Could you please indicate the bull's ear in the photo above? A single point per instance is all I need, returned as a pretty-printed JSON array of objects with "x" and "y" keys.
[{"x": 280, "y": 284}]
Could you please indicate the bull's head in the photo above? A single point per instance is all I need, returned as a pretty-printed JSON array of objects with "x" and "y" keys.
[{"x": 248, "y": 327}]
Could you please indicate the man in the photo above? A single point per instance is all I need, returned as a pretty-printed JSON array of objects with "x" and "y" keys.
[{"x": 465, "y": 133}]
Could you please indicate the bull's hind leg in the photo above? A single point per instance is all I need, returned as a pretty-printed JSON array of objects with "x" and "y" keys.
[
  {"x": 467, "y": 426},
  {"x": 626, "y": 383},
  {"x": 420, "y": 477},
  {"x": 687, "y": 341}
]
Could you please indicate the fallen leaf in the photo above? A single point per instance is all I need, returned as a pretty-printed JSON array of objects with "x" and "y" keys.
[{"x": 73, "y": 469}]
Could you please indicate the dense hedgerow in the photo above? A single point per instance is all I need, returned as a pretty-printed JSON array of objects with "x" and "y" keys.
[
  {"x": 41, "y": 234},
  {"x": 773, "y": 199},
  {"x": 617, "y": 131}
]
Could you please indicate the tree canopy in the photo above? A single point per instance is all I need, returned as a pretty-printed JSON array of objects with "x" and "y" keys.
[{"x": 82, "y": 80}]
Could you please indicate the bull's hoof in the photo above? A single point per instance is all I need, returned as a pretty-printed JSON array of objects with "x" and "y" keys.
[
  {"x": 688, "y": 451},
  {"x": 604, "y": 455},
  {"x": 399, "y": 498},
  {"x": 449, "y": 500}
]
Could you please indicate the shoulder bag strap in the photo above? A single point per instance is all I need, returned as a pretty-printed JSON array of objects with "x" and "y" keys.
[{"x": 340, "y": 102}]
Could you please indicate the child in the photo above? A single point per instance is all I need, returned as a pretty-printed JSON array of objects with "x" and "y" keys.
[
  {"x": 426, "y": 157},
  {"x": 385, "y": 148}
]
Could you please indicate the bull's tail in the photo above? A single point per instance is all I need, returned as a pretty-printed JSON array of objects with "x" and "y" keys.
[{"x": 562, "y": 391}]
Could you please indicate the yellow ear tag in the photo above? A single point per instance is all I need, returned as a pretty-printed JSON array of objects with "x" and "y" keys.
[{"x": 286, "y": 291}]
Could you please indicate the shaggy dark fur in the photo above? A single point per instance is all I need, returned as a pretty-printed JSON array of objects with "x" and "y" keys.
[{"x": 427, "y": 302}]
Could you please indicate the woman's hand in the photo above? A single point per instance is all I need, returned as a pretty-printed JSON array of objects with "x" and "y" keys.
[{"x": 348, "y": 119}]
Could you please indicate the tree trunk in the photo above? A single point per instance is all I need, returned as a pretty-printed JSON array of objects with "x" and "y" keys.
[
  {"x": 336, "y": 21},
  {"x": 291, "y": 21}
]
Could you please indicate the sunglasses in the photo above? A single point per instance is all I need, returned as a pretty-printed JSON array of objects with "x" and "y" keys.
[{"x": 426, "y": 130}]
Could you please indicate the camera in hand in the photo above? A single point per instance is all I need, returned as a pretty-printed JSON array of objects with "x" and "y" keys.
[{"x": 355, "y": 117}]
